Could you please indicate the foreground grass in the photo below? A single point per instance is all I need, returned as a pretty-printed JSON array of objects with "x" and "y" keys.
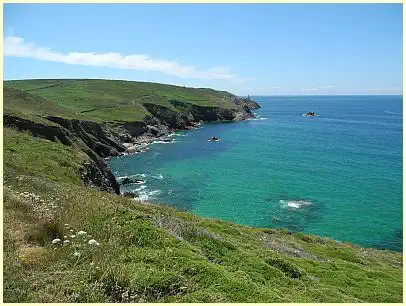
[
  {"x": 153, "y": 253},
  {"x": 103, "y": 100}
]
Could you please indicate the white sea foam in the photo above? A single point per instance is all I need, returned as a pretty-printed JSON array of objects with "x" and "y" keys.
[
  {"x": 295, "y": 204},
  {"x": 137, "y": 175},
  {"x": 154, "y": 192},
  {"x": 161, "y": 141},
  {"x": 258, "y": 118},
  {"x": 158, "y": 177},
  {"x": 142, "y": 187},
  {"x": 146, "y": 195}
]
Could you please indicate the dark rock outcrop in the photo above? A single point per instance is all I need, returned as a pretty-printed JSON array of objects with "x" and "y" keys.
[
  {"x": 49, "y": 132},
  {"x": 246, "y": 103},
  {"x": 93, "y": 134},
  {"x": 90, "y": 136}
]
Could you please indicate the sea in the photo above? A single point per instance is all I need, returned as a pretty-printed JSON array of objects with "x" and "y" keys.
[{"x": 336, "y": 175}]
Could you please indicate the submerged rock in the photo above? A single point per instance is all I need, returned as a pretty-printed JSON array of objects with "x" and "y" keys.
[
  {"x": 129, "y": 180},
  {"x": 310, "y": 114}
]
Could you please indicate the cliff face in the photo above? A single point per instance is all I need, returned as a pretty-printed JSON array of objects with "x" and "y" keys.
[
  {"x": 91, "y": 137},
  {"x": 248, "y": 104},
  {"x": 102, "y": 140}
]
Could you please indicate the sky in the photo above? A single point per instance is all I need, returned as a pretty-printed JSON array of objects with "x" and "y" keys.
[{"x": 255, "y": 49}]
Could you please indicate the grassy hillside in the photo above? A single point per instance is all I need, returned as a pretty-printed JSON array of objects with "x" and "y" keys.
[
  {"x": 107, "y": 100},
  {"x": 151, "y": 253}
]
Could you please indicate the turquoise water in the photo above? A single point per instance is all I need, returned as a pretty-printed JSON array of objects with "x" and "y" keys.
[{"x": 338, "y": 175}]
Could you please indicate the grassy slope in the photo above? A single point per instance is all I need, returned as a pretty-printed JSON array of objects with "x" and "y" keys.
[
  {"x": 156, "y": 253},
  {"x": 106, "y": 100},
  {"x": 149, "y": 252}
]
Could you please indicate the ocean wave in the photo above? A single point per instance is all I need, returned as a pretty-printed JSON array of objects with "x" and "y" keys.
[
  {"x": 161, "y": 141},
  {"x": 259, "y": 118},
  {"x": 392, "y": 113},
  {"x": 295, "y": 204},
  {"x": 146, "y": 195},
  {"x": 142, "y": 187},
  {"x": 158, "y": 177}
]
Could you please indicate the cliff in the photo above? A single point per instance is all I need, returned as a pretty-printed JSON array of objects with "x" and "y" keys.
[{"x": 101, "y": 139}]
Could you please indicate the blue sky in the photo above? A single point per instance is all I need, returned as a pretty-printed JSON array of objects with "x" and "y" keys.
[{"x": 256, "y": 49}]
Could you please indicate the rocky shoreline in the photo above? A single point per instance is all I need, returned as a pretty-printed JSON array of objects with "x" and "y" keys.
[{"x": 102, "y": 140}]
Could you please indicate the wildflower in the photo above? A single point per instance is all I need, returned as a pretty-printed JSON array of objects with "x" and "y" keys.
[
  {"x": 93, "y": 242},
  {"x": 65, "y": 237},
  {"x": 76, "y": 295},
  {"x": 81, "y": 233},
  {"x": 72, "y": 236},
  {"x": 76, "y": 254},
  {"x": 92, "y": 263},
  {"x": 66, "y": 241},
  {"x": 55, "y": 241},
  {"x": 67, "y": 225}
]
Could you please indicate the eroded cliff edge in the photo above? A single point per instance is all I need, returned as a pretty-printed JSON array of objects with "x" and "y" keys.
[{"x": 100, "y": 140}]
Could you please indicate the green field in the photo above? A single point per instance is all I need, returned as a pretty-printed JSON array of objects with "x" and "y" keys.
[
  {"x": 103, "y": 100},
  {"x": 152, "y": 253}
]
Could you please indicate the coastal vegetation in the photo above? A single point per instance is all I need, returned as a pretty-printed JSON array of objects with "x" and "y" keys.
[{"x": 70, "y": 237}]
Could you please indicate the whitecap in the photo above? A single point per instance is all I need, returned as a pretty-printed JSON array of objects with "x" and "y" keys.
[
  {"x": 295, "y": 204},
  {"x": 142, "y": 187},
  {"x": 161, "y": 141},
  {"x": 147, "y": 195},
  {"x": 392, "y": 113},
  {"x": 258, "y": 118},
  {"x": 159, "y": 177},
  {"x": 154, "y": 192}
]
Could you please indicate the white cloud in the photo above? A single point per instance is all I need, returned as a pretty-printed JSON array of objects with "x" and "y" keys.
[
  {"x": 18, "y": 47},
  {"x": 322, "y": 88}
]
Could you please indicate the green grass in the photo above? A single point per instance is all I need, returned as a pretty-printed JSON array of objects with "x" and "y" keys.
[
  {"x": 103, "y": 100},
  {"x": 154, "y": 253}
]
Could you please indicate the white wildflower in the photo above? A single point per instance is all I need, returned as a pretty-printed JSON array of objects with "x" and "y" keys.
[
  {"x": 65, "y": 237},
  {"x": 55, "y": 241},
  {"x": 71, "y": 230},
  {"x": 72, "y": 236},
  {"x": 76, "y": 254},
  {"x": 67, "y": 225},
  {"x": 66, "y": 241},
  {"x": 81, "y": 233},
  {"x": 93, "y": 242}
]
